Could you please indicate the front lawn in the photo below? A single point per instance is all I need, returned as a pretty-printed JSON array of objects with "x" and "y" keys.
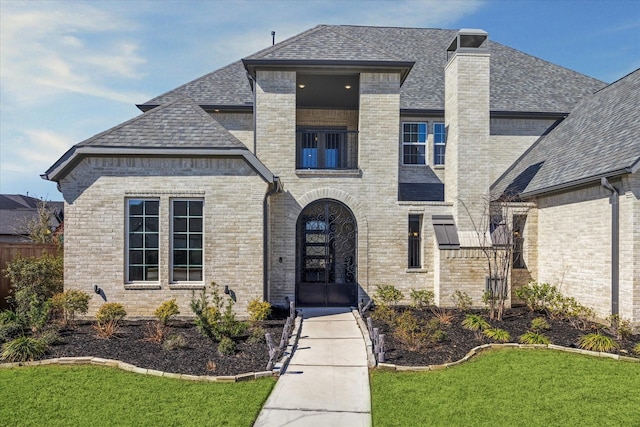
[
  {"x": 91, "y": 396},
  {"x": 511, "y": 387}
]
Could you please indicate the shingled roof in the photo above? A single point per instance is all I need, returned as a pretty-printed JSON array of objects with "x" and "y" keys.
[
  {"x": 519, "y": 82},
  {"x": 178, "y": 125},
  {"x": 600, "y": 138}
]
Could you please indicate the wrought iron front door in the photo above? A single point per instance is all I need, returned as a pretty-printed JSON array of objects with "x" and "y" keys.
[{"x": 326, "y": 255}]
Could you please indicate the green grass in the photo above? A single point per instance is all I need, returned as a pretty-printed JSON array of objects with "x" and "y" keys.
[
  {"x": 92, "y": 396},
  {"x": 511, "y": 387}
]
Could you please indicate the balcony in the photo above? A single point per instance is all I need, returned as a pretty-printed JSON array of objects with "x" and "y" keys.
[{"x": 322, "y": 149}]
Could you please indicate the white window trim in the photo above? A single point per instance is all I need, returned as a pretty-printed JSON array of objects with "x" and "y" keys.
[
  {"x": 443, "y": 144},
  {"x": 135, "y": 284},
  {"x": 185, "y": 284},
  {"x": 425, "y": 144}
]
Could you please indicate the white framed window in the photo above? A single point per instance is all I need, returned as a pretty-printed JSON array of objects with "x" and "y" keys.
[
  {"x": 187, "y": 235},
  {"x": 439, "y": 143},
  {"x": 414, "y": 143},
  {"x": 143, "y": 232},
  {"x": 415, "y": 241}
]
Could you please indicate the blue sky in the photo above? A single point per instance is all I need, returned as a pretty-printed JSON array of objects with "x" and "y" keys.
[{"x": 71, "y": 69}]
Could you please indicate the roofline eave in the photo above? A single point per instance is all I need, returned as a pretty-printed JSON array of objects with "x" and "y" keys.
[{"x": 58, "y": 170}]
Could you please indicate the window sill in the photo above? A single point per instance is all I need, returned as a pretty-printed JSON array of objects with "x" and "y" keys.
[
  {"x": 329, "y": 173},
  {"x": 187, "y": 286},
  {"x": 142, "y": 286},
  {"x": 417, "y": 270}
]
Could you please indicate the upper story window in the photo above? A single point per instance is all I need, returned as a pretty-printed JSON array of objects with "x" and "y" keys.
[
  {"x": 143, "y": 229},
  {"x": 326, "y": 149},
  {"x": 186, "y": 240},
  {"x": 414, "y": 143},
  {"x": 439, "y": 143},
  {"x": 415, "y": 242}
]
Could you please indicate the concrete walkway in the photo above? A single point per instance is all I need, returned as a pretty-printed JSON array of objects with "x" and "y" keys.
[{"x": 327, "y": 381}]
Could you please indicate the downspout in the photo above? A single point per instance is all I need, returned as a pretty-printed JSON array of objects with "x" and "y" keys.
[
  {"x": 615, "y": 245},
  {"x": 275, "y": 188}
]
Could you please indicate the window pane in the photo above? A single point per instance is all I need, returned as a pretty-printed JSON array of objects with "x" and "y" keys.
[
  {"x": 151, "y": 207},
  {"x": 195, "y": 225},
  {"x": 152, "y": 273},
  {"x": 195, "y": 274},
  {"x": 135, "y": 224},
  {"x": 151, "y": 224},
  {"x": 151, "y": 257},
  {"x": 195, "y": 208},
  {"x": 135, "y": 240},
  {"x": 422, "y": 133},
  {"x": 135, "y": 257},
  {"x": 195, "y": 241},
  {"x": 179, "y": 274},
  {"x": 151, "y": 240},
  {"x": 135, "y": 273},
  {"x": 180, "y": 257},
  {"x": 136, "y": 207},
  {"x": 195, "y": 258},
  {"x": 179, "y": 224},
  {"x": 180, "y": 208},
  {"x": 179, "y": 241}
]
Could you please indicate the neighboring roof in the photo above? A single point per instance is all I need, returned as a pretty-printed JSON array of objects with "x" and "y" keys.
[
  {"x": 16, "y": 210},
  {"x": 600, "y": 138},
  {"x": 422, "y": 192},
  {"x": 180, "y": 127},
  {"x": 519, "y": 82}
]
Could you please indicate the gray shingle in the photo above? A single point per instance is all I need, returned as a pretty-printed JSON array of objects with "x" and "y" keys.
[
  {"x": 601, "y": 137},
  {"x": 519, "y": 82},
  {"x": 178, "y": 124}
]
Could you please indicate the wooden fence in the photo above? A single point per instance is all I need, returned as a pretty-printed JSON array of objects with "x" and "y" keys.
[{"x": 8, "y": 251}]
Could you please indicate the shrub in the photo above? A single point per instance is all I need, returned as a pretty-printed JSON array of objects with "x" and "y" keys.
[
  {"x": 24, "y": 349},
  {"x": 211, "y": 321},
  {"x": 597, "y": 342},
  {"x": 415, "y": 335},
  {"x": 108, "y": 316},
  {"x": 166, "y": 311},
  {"x": 257, "y": 334},
  {"x": 421, "y": 298},
  {"x": 155, "y": 332},
  {"x": 636, "y": 349},
  {"x": 498, "y": 334},
  {"x": 174, "y": 341},
  {"x": 258, "y": 310},
  {"x": 620, "y": 327},
  {"x": 475, "y": 322},
  {"x": 538, "y": 296},
  {"x": 540, "y": 324},
  {"x": 580, "y": 316},
  {"x": 462, "y": 300},
  {"x": 226, "y": 346},
  {"x": 49, "y": 337},
  {"x": 384, "y": 313},
  {"x": 442, "y": 314},
  {"x": 534, "y": 338},
  {"x": 8, "y": 317},
  {"x": 387, "y": 295},
  {"x": 34, "y": 279},
  {"x": 69, "y": 303}
]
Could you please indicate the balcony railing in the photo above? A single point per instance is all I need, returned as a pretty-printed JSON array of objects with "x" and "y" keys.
[{"x": 326, "y": 149}]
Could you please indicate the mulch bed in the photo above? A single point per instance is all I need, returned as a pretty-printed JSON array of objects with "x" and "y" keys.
[
  {"x": 132, "y": 346},
  {"x": 460, "y": 341}
]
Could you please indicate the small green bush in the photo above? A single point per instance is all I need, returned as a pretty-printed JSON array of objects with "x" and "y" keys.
[
  {"x": 211, "y": 321},
  {"x": 540, "y": 324},
  {"x": 69, "y": 303},
  {"x": 384, "y": 313},
  {"x": 421, "y": 298},
  {"x": 257, "y": 334},
  {"x": 50, "y": 337},
  {"x": 538, "y": 296},
  {"x": 23, "y": 349},
  {"x": 415, "y": 335},
  {"x": 226, "y": 346},
  {"x": 8, "y": 317},
  {"x": 387, "y": 295},
  {"x": 475, "y": 322},
  {"x": 108, "y": 317},
  {"x": 636, "y": 349},
  {"x": 258, "y": 310},
  {"x": 534, "y": 338},
  {"x": 174, "y": 342},
  {"x": 597, "y": 342},
  {"x": 166, "y": 311},
  {"x": 462, "y": 300},
  {"x": 498, "y": 334},
  {"x": 620, "y": 327}
]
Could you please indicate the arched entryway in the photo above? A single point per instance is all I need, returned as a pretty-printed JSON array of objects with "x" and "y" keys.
[{"x": 326, "y": 244}]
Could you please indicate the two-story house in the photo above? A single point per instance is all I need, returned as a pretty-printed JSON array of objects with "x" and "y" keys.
[{"x": 342, "y": 158}]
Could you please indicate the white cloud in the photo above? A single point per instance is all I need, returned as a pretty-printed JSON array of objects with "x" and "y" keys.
[{"x": 49, "y": 48}]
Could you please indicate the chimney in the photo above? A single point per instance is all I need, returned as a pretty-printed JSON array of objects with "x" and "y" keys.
[{"x": 467, "y": 161}]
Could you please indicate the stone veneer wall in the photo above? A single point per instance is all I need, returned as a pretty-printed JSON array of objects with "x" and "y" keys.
[
  {"x": 95, "y": 212},
  {"x": 574, "y": 247}
]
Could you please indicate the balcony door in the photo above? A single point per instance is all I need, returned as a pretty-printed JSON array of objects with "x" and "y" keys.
[{"x": 326, "y": 255}]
